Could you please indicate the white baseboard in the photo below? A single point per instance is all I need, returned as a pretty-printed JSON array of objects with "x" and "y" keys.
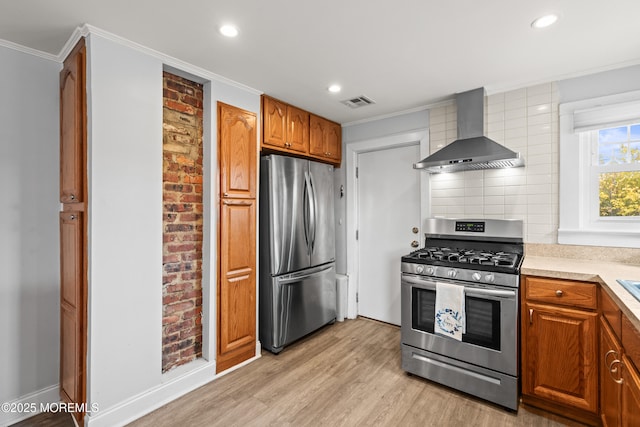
[
  {"x": 32, "y": 403},
  {"x": 150, "y": 400}
]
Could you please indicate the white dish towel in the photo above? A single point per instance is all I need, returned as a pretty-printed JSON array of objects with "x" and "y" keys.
[{"x": 450, "y": 315}]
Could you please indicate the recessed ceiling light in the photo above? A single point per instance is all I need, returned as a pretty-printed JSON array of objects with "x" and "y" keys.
[
  {"x": 544, "y": 21},
  {"x": 334, "y": 88},
  {"x": 229, "y": 31}
]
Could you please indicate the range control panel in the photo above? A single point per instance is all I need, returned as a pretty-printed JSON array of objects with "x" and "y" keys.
[{"x": 470, "y": 226}]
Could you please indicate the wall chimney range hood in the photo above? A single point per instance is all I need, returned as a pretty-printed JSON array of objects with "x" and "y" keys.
[{"x": 473, "y": 150}]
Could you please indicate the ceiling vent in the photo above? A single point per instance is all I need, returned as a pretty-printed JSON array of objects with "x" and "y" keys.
[{"x": 359, "y": 101}]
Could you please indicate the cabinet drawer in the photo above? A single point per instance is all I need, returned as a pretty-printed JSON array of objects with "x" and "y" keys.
[
  {"x": 631, "y": 341},
  {"x": 562, "y": 292},
  {"x": 611, "y": 312}
]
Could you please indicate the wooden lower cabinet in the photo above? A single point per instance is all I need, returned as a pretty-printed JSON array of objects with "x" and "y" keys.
[
  {"x": 560, "y": 356},
  {"x": 237, "y": 283},
  {"x": 630, "y": 415},
  {"x": 610, "y": 376}
]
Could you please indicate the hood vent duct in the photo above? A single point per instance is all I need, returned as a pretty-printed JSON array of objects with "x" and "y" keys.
[{"x": 472, "y": 150}]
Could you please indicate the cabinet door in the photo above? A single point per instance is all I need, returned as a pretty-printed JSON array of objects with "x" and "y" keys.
[
  {"x": 610, "y": 389},
  {"x": 237, "y": 151},
  {"x": 630, "y": 394},
  {"x": 325, "y": 139},
  {"x": 316, "y": 136},
  {"x": 275, "y": 122},
  {"x": 237, "y": 283},
  {"x": 297, "y": 129},
  {"x": 72, "y": 311},
  {"x": 72, "y": 127},
  {"x": 560, "y": 356}
]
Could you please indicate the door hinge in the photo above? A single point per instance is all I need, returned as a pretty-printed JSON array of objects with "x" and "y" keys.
[
  {"x": 356, "y": 172},
  {"x": 357, "y": 297},
  {"x": 357, "y": 234}
]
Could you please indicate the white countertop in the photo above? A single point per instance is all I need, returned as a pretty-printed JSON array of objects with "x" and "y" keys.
[{"x": 604, "y": 273}]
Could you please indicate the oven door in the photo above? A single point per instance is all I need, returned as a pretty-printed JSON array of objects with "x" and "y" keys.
[{"x": 491, "y": 337}]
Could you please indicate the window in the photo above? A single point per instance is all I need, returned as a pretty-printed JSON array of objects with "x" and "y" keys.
[{"x": 600, "y": 171}]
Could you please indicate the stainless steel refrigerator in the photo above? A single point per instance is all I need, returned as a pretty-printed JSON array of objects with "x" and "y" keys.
[{"x": 297, "y": 287}]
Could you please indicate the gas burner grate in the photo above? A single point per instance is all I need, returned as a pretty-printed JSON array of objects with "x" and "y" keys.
[{"x": 466, "y": 256}]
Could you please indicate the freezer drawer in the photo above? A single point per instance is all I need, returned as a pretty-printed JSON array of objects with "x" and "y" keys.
[{"x": 294, "y": 305}]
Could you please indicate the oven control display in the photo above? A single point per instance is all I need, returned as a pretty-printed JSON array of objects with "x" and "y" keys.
[{"x": 474, "y": 227}]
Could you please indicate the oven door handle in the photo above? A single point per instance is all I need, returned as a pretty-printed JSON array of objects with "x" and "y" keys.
[{"x": 471, "y": 291}]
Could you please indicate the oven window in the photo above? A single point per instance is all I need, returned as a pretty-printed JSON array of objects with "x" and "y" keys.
[{"x": 482, "y": 323}]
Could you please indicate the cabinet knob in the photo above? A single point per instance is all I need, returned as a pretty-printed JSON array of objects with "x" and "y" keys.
[
  {"x": 559, "y": 293},
  {"x": 72, "y": 217},
  {"x": 225, "y": 194},
  {"x": 72, "y": 197}
]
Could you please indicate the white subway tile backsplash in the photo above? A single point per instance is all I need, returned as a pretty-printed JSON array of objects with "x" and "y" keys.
[
  {"x": 497, "y": 210},
  {"x": 515, "y": 133},
  {"x": 526, "y": 121},
  {"x": 494, "y": 191},
  {"x": 494, "y": 200},
  {"x": 538, "y": 129},
  {"x": 515, "y": 113},
  {"x": 515, "y": 122},
  {"x": 541, "y": 89},
  {"x": 540, "y": 119},
  {"x": 515, "y": 95},
  {"x": 539, "y": 159},
  {"x": 538, "y": 99}
]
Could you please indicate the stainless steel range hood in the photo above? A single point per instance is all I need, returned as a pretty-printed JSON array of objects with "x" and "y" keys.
[{"x": 472, "y": 150}]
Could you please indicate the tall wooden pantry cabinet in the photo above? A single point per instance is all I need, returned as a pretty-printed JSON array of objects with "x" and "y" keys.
[
  {"x": 236, "y": 293},
  {"x": 73, "y": 229}
]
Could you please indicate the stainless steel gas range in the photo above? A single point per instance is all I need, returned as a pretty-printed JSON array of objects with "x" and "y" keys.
[{"x": 483, "y": 257}]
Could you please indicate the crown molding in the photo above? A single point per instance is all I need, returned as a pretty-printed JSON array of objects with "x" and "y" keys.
[
  {"x": 169, "y": 61},
  {"x": 28, "y": 50}
]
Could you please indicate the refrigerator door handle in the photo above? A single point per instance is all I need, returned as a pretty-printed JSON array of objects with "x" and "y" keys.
[
  {"x": 296, "y": 277},
  {"x": 313, "y": 207},
  {"x": 307, "y": 211}
]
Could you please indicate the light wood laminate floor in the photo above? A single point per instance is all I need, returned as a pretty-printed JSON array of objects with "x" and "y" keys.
[{"x": 347, "y": 374}]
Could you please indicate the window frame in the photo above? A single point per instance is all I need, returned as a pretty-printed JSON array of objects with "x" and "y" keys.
[{"x": 580, "y": 222}]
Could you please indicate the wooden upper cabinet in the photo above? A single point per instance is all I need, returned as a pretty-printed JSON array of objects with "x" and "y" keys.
[
  {"x": 275, "y": 122},
  {"x": 325, "y": 139},
  {"x": 237, "y": 151},
  {"x": 298, "y": 129},
  {"x": 285, "y": 126},
  {"x": 73, "y": 126}
]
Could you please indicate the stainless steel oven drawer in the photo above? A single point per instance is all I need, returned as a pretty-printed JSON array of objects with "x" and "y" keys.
[{"x": 493, "y": 386}]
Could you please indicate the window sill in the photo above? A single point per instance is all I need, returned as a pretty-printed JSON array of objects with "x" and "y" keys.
[{"x": 619, "y": 239}]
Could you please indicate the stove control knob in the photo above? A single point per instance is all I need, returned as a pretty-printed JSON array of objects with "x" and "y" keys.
[
  {"x": 419, "y": 269},
  {"x": 452, "y": 273},
  {"x": 490, "y": 278},
  {"x": 430, "y": 271},
  {"x": 476, "y": 276}
]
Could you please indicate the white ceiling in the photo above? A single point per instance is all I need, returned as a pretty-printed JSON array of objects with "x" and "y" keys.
[{"x": 403, "y": 54}]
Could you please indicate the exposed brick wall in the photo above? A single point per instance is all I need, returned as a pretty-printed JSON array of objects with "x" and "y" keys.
[{"x": 182, "y": 221}]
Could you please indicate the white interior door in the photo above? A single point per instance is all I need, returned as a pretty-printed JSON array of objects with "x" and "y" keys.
[{"x": 388, "y": 222}]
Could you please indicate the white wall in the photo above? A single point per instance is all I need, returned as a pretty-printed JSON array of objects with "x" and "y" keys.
[
  {"x": 357, "y": 133},
  {"x": 125, "y": 221},
  {"x": 600, "y": 84},
  {"x": 29, "y": 247},
  {"x": 125, "y": 231}
]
